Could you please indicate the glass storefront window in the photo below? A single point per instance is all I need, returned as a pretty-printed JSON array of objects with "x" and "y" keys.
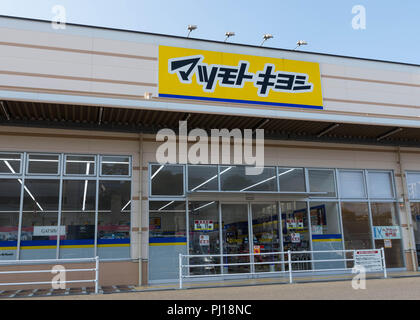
[
  {"x": 204, "y": 235},
  {"x": 352, "y": 184},
  {"x": 380, "y": 185},
  {"x": 42, "y": 228},
  {"x": 292, "y": 180},
  {"x": 80, "y": 165},
  {"x": 234, "y": 178},
  {"x": 10, "y": 190},
  {"x": 167, "y": 238},
  {"x": 202, "y": 178},
  {"x": 325, "y": 218},
  {"x": 356, "y": 225},
  {"x": 114, "y": 206},
  {"x": 386, "y": 215},
  {"x": 78, "y": 219},
  {"x": 413, "y": 184},
  {"x": 115, "y": 166},
  {"x": 322, "y": 181},
  {"x": 167, "y": 180},
  {"x": 415, "y": 215},
  {"x": 326, "y": 234},
  {"x": 40, "y": 219},
  {"x": 10, "y": 163},
  {"x": 43, "y": 164}
]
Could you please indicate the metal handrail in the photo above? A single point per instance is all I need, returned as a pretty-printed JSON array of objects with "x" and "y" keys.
[
  {"x": 288, "y": 262},
  {"x": 52, "y": 261}
]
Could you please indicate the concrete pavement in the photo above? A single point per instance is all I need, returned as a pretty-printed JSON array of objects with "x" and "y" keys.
[{"x": 407, "y": 288}]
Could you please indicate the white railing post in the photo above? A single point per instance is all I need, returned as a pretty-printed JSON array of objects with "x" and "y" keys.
[
  {"x": 180, "y": 271},
  {"x": 383, "y": 262},
  {"x": 96, "y": 275},
  {"x": 53, "y": 261},
  {"x": 290, "y": 266}
]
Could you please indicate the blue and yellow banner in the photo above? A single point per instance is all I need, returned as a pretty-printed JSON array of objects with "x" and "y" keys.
[
  {"x": 236, "y": 78},
  {"x": 69, "y": 244},
  {"x": 326, "y": 238}
]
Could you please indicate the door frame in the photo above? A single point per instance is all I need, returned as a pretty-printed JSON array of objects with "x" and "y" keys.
[{"x": 249, "y": 204}]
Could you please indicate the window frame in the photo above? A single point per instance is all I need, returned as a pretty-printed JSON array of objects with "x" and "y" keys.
[
  {"x": 392, "y": 184},
  {"x": 364, "y": 183},
  {"x": 100, "y": 161},
  {"x": 95, "y": 160},
  {"x": 20, "y": 165},
  {"x": 407, "y": 172},
  {"x": 315, "y": 197},
  {"x": 184, "y": 182},
  {"x": 59, "y": 167}
]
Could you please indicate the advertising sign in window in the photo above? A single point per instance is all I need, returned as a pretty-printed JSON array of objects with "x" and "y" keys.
[
  {"x": 386, "y": 232},
  {"x": 203, "y": 225}
]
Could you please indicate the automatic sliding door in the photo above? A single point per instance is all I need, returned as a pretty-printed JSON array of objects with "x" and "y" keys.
[
  {"x": 204, "y": 236},
  {"x": 296, "y": 235},
  {"x": 235, "y": 236},
  {"x": 266, "y": 234}
]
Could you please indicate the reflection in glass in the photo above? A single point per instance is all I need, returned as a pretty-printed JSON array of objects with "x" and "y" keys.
[
  {"x": 202, "y": 178},
  {"x": 356, "y": 226},
  {"x": 413, "y": 184},
  {"x": 322, "y": 181},
  {"x": 352, "y": 184},
  {"x": 380, "y": 185},
  {"x": 167, "y": 180},
  {"x": 43, "y": 164},
  {"x": 204, "y": 235},
  {"x": 10, "y": 163},
  {"x": 235, "y": 236},
  {"x": 235, "y": 179},
  {"x": 292, "y": 180},
  {"x": 80, "y": 165},
  {"x": 115, "y": 166},
  {"x": 385, "y": 214}
]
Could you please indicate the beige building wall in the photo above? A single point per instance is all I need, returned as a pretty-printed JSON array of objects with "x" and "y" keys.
[{"x": 120, "y": 64}]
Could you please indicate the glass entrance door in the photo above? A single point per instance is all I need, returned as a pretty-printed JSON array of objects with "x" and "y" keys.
[
  {"x": 266, "y": 236},
  {"x": 235, "y": 232},
  {"x": 296, "y": 235},
  {"x": 260, "y": 228}
]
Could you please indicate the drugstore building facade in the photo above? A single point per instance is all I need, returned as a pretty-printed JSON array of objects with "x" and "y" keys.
[{"x": 80, "y": 177}]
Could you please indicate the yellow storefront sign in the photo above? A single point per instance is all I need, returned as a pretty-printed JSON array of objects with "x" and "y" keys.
[{"x": 237, "y": 78}]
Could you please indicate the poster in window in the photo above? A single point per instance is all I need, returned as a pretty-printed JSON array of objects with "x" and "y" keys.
[{"x": 318, "y": 215}]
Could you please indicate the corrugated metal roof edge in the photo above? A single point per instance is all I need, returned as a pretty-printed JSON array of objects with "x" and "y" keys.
[{"x": 215, "y": 41}]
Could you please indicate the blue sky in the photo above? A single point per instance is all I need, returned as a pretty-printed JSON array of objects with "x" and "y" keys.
[{"x": 392, "y": 27}]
